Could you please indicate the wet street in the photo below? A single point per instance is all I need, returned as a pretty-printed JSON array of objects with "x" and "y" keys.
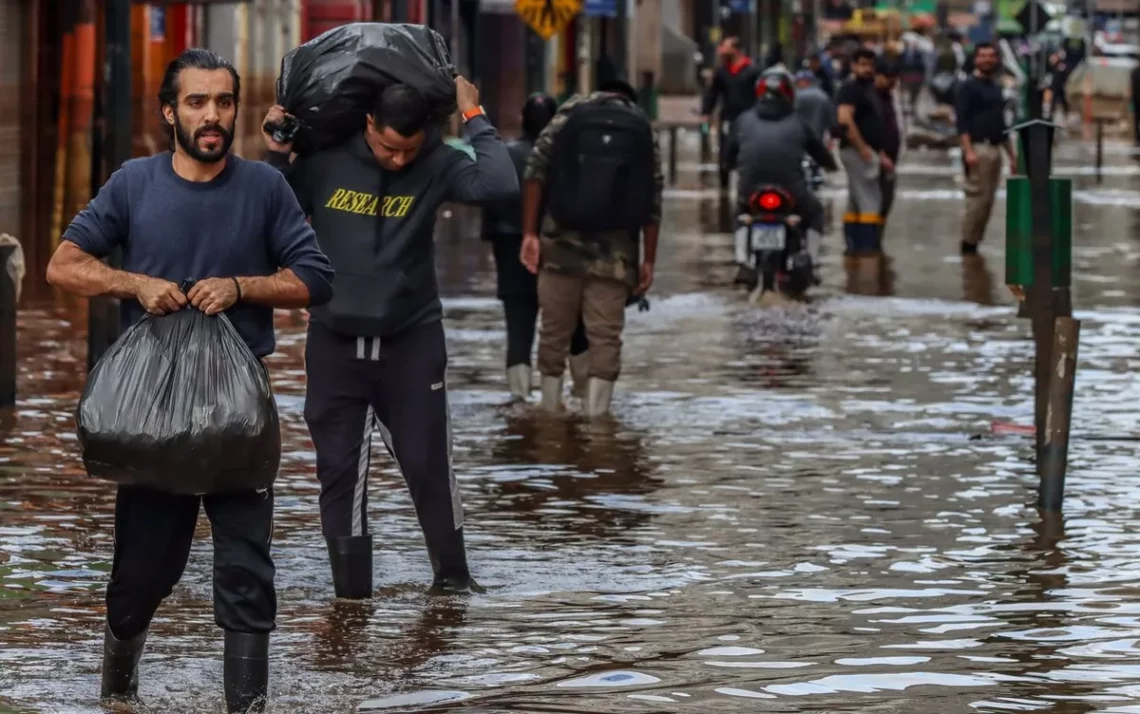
[{"x": 792, "y": 511}]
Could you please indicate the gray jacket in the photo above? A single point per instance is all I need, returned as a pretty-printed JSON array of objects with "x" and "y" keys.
[
  {"x": 767, "y": 148},
  {"x": 377, "y": 226}
]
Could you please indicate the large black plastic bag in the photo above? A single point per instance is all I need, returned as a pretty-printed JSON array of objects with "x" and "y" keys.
[
  {"x": 331, "y": 82},
  {"x": 179, "y": 404}
]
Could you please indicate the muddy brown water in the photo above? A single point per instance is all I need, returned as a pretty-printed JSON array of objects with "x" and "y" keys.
[{"x": 787, "y": 514}]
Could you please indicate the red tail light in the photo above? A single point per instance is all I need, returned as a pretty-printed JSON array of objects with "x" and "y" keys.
[{"x": 770, "y": 201}]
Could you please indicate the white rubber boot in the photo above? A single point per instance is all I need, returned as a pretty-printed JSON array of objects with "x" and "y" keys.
[
  {"x": 599, "y": 394},
  {"x": 518, "y": 381},
  {"x": 551, "y": 394}
]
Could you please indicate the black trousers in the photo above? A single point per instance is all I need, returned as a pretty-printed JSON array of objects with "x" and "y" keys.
[
  {"x": 396, "y": 386},
  {"x": 518, "y": 289},
  {"x": 153, "y": 534},
  {"x": 888, "y": 184}
]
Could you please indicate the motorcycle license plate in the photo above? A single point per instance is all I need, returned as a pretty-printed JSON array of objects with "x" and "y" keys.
[{"x": 769, "y": 236}]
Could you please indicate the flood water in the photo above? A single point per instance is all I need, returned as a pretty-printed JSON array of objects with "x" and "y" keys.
[{"x": 792, "y": 511}]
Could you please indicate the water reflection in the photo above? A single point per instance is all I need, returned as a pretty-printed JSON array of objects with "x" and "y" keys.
[
  {"x": 589, "y": 473},
  {"x": 870, "y": 274},
  {"x": 787, "y": 513},
  {"x": 977, "y": 281}
]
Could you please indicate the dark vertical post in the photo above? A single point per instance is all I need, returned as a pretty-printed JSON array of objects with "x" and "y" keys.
[
  {"x": 673, "y": 155},
  {"x": 7, "y": 331},
  {"x": 1099, "y": 150},
  {"x": 400, "y": 11},
  {"x": 1055, "y": 454},
  {"x": 621, "y": 41},
  {"x": 1037, "y": 142},
  {"x": 103, "y": 315}
]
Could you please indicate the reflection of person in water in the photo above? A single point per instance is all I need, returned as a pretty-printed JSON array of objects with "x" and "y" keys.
[
  {"x": 343, "y": 634},
  {"x": 776, "y": 361},
  {"x": 977, "y": 283},
  {"x": 870, "y": 275},
  {"x": 610, "y": 457}
]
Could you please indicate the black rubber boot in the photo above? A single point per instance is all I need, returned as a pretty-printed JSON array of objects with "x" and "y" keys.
[
  {"x": 121, "y": 665},
  {"x": 245, "y": 672},
  {"x": 449, "y": 564},
  {"x": 351, "y": 561},
  {"x": 746, "y": 276}
]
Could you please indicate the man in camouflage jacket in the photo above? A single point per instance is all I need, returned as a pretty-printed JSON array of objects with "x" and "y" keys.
[{"x": 594, "y": 274}]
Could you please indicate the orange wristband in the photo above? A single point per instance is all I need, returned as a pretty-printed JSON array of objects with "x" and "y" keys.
[{"x": 472, "y": 113}]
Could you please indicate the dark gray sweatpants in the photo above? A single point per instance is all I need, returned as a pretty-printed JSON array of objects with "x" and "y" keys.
[{"x": 396, "y": 386}]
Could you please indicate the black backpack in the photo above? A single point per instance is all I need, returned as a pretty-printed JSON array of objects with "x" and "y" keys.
[{"x": 603, "y": 169}]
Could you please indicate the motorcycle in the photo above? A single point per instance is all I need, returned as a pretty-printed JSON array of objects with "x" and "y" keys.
[{"x": 774, "y": 237}]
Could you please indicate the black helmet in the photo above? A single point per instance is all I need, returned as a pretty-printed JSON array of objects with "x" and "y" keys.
[{"x": 776, "y": 86}]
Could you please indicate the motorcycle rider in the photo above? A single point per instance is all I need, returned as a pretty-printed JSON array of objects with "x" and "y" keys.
[{"x": 767, "y": 146}]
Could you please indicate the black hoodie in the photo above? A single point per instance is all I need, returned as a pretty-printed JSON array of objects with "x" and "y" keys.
[{"x": 376, "y": 226}]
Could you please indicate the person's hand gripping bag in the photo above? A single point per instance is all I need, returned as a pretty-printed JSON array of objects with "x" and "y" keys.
[
  {"x": 330, "y": 83},
  {"x": 180, "y": 404}
]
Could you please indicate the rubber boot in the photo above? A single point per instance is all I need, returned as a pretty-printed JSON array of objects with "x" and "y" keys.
[
  {"x": 518, "y": 381},
  {"x": 448, "y": 555},
  {"x": 121, "y": 665},
  {"x": 746, "y": 272},
  {"x": 599, "y": 395},
  {"x": 579, "y": 374},
  {"x": 551, "y": 393},
  {"x": 245, "y": 671},
  {"x": 351, "y": 561}
]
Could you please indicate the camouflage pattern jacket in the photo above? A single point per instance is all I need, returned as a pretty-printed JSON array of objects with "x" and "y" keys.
[{"x": 612, "y": 256}]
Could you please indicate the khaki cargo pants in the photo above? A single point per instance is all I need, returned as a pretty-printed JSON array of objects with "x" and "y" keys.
[
  {"x": 981, "y": 187},
  {"x": 601, "y": 303}
]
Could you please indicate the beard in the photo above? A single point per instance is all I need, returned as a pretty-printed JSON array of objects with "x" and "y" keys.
[{"x": 190, "y": 145}]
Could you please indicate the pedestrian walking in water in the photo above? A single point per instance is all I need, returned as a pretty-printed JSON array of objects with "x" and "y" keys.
[
  {"x": 595, "y": 178},
  {"x": 982, "y": 132},
  {"x": 517, "y": 286},
  {"x": 886, "y": 81},
  {"x": 734, "y": 88},
  {"x": 861, "y": 151},
  {"x": 196, "y": 211},
  {"x": 376, "y": 357}
]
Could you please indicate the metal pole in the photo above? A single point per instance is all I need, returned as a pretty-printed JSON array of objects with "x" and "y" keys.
[
  {"x": 1099, "y": 150},
  {"x": 103, "y": 314},
  {"x": 1055, "y": 455},
  {"x": 1039, "y": 140},
  {"x": 7, "y": 331},
  {"x": 673, "y": 155},
  {"x": 621, "y": 41},
  {"x": 399, "y": 10}
]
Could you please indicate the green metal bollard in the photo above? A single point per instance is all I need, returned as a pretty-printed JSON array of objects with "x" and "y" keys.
[{"x": 1019, "y": 233}]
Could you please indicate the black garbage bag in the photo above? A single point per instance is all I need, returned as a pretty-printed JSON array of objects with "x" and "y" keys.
[
  {"x": 179, "y": 404},
  {"x": 331, "y": 82}
]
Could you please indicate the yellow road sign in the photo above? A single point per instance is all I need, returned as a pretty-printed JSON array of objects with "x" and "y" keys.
[{"x": 548, "y": 17}]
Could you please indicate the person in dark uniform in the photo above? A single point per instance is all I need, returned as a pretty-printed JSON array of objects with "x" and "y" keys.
[
  {"x": 517, "y": 286},
  {"x": 734, "y": 86}
]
